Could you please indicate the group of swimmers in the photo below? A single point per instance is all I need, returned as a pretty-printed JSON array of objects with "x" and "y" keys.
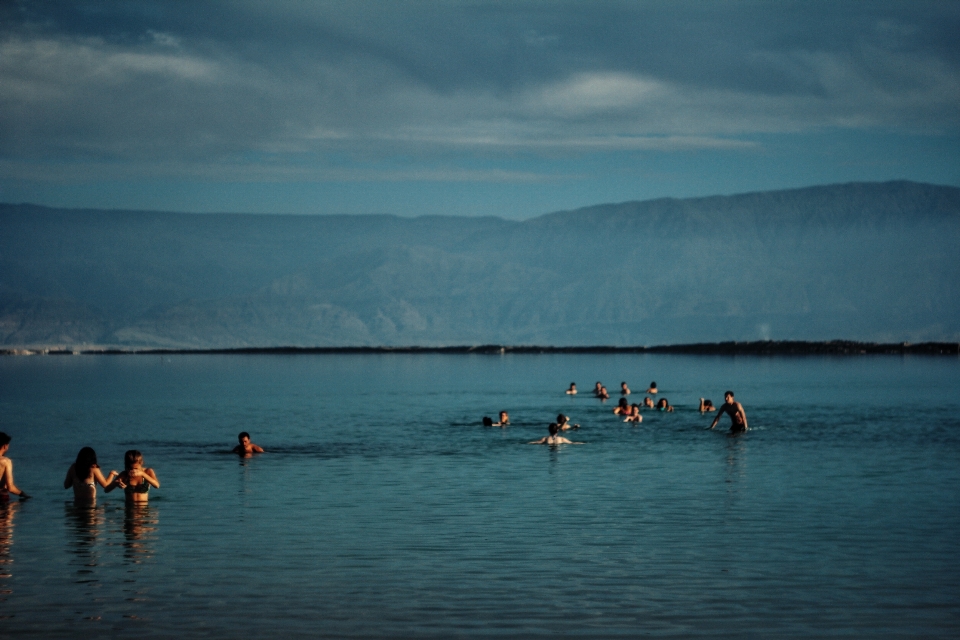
[
  {"x": 631, "y": 412},
  {"x": 84, "y": 474}
]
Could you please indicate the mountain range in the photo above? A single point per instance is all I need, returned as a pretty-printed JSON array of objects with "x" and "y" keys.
[{"x": 859, "y": 261}]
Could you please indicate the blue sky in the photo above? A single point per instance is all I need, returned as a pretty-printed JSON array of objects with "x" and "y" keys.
[{"x": 511, "y": 109}]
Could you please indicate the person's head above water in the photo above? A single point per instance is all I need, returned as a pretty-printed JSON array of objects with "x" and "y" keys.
[
  {"x": 662, "y": 403},
  {"x": 653, "y": 385},
  {"x": 561, "y": 418},
  {"x": 554, "y": 428},
  {"x": 131, "y": 458},
  {"x": 728, "y": 396},
  {"x": 86, "y": 460},
  {"x": 243, "y": 435},
  {"x": 4, "y": 439}
]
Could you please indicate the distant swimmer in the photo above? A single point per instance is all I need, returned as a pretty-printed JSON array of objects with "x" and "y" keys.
[
  {"x": 572, "y": 391},
  {"x": 664, "y": 405},
  {"x": 622, "y": 408},
  {"x": 135, "y": 479},
  {"x": 634, "y": 414},
  {"x": 624, "y": 389},
  {"x": 603, "y": 395},
  {"x": 706, "y": 406},
  {"x": 738, "y": 417},
  {"x": 653, "y": 388},
  {"x": 597, "y": 388},
  {"x": 563, "y": 423},
  {"x": 648, "y": 402},
  {"x": 7, "y": 485},
  {"x": 504, "y": 420},
  {"x": 84, "y": 475},
  {"x": 553, "y": 438},
  {"x": 246, "y": 447}
]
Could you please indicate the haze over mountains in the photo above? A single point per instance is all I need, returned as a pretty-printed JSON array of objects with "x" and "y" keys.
[{"x": 862, "y": 261}]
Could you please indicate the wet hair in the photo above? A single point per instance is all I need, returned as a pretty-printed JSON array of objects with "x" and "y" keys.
[
  {"x": 4, "y": 439},
  {"x": 487, "y": 421},
  {"x": 653, "y": 385},
  {"x": 86, "y": 460},
  {"x": 662, "y": 403},
  {"x": 561, "y": 418},
  {"x": 131, "y": 458},
  {"x": 243, "y": 434},
  {"x": 504, "y": 413},
  {"x": 623, "y": 383},
  {"x": 727, "y": 393},
  {"x": 708, "y": 403},
  {"x": 553, "y": 428},
  {"x": 623, "y": 402}
]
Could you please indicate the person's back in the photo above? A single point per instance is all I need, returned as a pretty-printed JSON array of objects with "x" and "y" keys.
[
  {"x": 7, "y": 485},
  {"x": 84, "y": 474}
]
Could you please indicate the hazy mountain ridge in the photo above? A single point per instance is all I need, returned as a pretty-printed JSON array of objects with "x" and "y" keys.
[{"x": 859, "y": 261}]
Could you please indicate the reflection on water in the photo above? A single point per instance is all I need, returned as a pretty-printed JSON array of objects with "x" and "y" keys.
[
  {"x": 85, "y": 522},
  {"x": 139, "y": 531},
  {"x": 7, "y": 512}
]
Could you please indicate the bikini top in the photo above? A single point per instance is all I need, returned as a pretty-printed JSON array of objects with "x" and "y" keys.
[{"x": 143, "y": 487}]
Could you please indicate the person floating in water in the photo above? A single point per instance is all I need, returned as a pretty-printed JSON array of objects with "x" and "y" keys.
[
  {"x": 84, "y": 475},
  {"x": 653, "y": 388},
  {"x": 706, "y": 406},
  {"x": 7, "y": 485},
  {"x": 572, "y": 391},
  {"x": 246, "y": 447},
  {"x": 563, "y": 423},
  {"x": 624, "y": 389},
  {"x": 622, "y": 408},
  {"x": 597, "y": 388},
  {"x": 504, "y": 420},
  {"x": 135, "y": 479},
  {"x": 664, "y": 405},
  {"x": 634, "y": 414},
  {"x": 738, "y": 417},
  {"x": 553, "y": 438},
  {"x": 648, "y": 403}
]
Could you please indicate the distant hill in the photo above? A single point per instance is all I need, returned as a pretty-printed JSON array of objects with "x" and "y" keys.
[{"x": 863, "y": 261}]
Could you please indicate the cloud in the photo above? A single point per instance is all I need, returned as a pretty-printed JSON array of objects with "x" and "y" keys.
[{"x": 241, "y": 84}]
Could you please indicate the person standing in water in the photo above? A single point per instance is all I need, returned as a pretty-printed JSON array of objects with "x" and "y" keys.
[
  {"x": 572, "y": 391},
  {"x": 246, "y": 447},
  {"x": 738, "y": 417},
  {"x": 7, "y": 485},
  {"x": 84, "y": 475},
  {"x": 135, "y": 479},
  {"x": 624, "y": 389}
]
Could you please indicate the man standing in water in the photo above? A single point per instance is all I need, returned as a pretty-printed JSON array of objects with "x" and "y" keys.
[
  {"x": 7, "y": 486},
  {"x": 246, "y": 448},
  {"x": 738, "y": 417}
]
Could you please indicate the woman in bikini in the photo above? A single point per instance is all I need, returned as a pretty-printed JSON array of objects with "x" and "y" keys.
[
  {"x": 84, "y": 475},
  {"x": 135, "y": 480}
]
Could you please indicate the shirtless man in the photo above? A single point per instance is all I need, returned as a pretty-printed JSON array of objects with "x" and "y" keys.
[
  {"x": 738, "y": 417},
  {"x": 7, "y": 485},
  {"x": 246, "y": 447},
  {"x": 572, "y": 391},
  {"x": 553, "y": 438}
]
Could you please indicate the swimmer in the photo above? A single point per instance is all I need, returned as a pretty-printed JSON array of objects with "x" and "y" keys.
[
  {"x": 84, "y": 475},
  {"x": 738, "y": 417},
  {"x": 663, "y": 405},
  {"x": 135, "y": 479},
  {"x": 653, "y": 388},
  {"x": 504, "y": 420},
  {"x": 622, "y": 408},
  {"x": 246, "y": 447},
  {"x": 624, "y": 389},
  {"x": 597, "y": 388},
  {"x": 563, "y": 423},
  {"x": 648, "y": 403},
  {"x": 553, "y": 438},
  {"x": 634, "y": 414},
  {"x": 572, "y": 391},
  {"x": 7, "y": 485},
  {"x": 706, "y": 406},
  {"x": 603, "y": 395}
]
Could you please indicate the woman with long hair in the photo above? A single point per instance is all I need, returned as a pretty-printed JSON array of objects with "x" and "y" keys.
[{"x": 84, "y": 475}]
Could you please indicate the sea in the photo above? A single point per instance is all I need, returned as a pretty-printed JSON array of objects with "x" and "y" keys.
[{"x": 382, "y": 508}]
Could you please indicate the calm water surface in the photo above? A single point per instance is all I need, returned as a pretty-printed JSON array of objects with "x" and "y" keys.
[{"x": 384, "y": 509}]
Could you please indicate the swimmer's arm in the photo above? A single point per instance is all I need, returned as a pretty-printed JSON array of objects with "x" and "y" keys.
[
  {"x": 743, "y": 414},
  {"x": 256, "y": 448},
  {"x": 717, "y": 419},
  {"x": 117, "y": 482},
  {"x": 540, "y": 441},
  {"x": 98, "y": 476},
  {"x": 68, "y": 481},
  {"x": 151, "y": 477},
  {"x": 7, "y": 476}
]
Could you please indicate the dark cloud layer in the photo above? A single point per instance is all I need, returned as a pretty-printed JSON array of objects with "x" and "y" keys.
[{"x": 285, "y": 90}]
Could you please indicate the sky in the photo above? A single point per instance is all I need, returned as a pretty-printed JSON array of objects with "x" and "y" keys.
[{"x": 510, "y": 109}]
